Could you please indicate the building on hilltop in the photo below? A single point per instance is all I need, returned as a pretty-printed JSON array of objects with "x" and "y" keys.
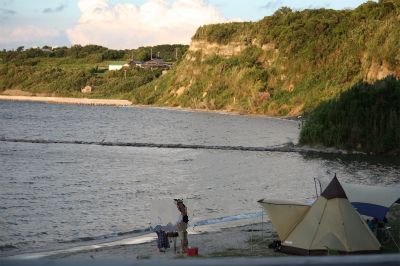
[
  {"x": 153, "y": 63},
  {"x": 156, "y": 63},
  {"x": 136, "y": 63}
]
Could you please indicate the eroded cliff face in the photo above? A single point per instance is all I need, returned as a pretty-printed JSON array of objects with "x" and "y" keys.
[
  {"x": 269, "y": 73},
  {"x": 282, "y": 75},
  {"x": 227, "y": 50},
  {"x": 209, "y": 49},
  {"x": 221, "y": 77},
  {"x": 371, "y": 69}
]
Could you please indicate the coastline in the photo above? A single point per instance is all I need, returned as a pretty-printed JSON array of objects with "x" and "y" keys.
[
  {"x": 127, "y": 103},
  {"x": 66, "y": 100},
  {"x": 249, "y": 240}
]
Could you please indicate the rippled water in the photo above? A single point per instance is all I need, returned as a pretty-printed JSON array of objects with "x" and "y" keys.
[{"x": 55, "y": 195}]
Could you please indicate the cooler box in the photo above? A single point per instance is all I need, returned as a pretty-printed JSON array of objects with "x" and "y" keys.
[{"x": 192, "y": 252}]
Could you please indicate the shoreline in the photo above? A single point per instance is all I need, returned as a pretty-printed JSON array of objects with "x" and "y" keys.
[
  {"x": 127, "y": 103},
  {"x": 67, "y": 100},
  {"x": 237, "y": 241}
]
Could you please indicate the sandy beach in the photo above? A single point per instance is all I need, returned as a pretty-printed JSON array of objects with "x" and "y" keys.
[
  {"x": 241, "y": 241},
  {"x": 18, "y": 95},
  {"x": 65, "y": 100}
]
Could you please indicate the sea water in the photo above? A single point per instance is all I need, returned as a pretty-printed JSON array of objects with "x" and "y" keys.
[{"x": 61, "y": 188}]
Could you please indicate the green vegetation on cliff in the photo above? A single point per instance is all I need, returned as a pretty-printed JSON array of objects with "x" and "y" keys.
[
  {"x": 365, "y": 118},
  {"x": 64, "y": 71},
  {"x": 284, "y": 64}
]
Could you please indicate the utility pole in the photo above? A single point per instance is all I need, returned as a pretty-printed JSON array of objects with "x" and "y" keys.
[
  {"x": 125, "y": 73},
  {"x": 176, "y": 54},
  {"x": 151, "y": 53}
]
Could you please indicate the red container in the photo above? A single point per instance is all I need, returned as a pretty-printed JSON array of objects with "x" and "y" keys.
[{"x": 192, "y": 252}]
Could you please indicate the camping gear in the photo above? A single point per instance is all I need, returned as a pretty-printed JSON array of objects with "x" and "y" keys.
[
  {"x": 372, "y": 201},
  {"x": 166, "y": 217},
  {"x": 174, "y": 236},
  {"x": 162, "y": 240},
  {"x": 330, "y": 224},
  {"x": 192, "y": 252}
]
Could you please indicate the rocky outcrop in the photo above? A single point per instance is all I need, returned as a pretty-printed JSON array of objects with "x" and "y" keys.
[
  {"x": 228, "y": 50},
  {"x": 87, "y": 89},
  {"x": 379, "y": 71},
  {"x": 208, "y": 49}
]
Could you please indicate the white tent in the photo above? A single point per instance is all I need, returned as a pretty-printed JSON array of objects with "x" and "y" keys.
[{"x": 331, "y": 223}]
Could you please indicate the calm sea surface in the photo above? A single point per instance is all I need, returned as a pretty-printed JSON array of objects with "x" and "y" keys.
[{"x": 56, "y": 195}]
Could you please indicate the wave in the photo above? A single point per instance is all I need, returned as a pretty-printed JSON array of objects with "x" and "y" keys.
[
  {"x": 231, "y": 218},
  {"x": 109, "y": 236},
  {"x": 286, "y": 147},
  {"x": 137, "y": 232}
]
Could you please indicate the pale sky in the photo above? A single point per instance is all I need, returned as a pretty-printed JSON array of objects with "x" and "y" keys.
[{"x": 124, "y": 24}]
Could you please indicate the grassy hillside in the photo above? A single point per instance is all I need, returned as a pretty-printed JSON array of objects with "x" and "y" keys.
[
  {"x": 285, "y": 64},
  {"x": 366, "y": 118},
  {"x": 64, "y": 71}
]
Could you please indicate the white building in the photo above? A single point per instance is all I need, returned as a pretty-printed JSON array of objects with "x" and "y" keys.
[{"x": 117, "y": 67}]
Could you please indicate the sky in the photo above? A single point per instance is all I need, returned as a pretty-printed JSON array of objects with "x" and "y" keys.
[{"x": 127, "y": 24}]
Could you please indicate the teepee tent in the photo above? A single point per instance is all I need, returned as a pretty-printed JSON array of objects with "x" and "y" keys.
[{"x": 331, "y": 223}]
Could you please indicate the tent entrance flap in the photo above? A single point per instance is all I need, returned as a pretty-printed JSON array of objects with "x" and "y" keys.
[{"x": 284, "y": 215}]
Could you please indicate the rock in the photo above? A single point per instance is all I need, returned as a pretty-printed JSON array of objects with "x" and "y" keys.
[
  {"x": 181, "y": 91},
  {"x": 87, "y": 89},
  {"x": 207, "y": 48},
  {"x": 378, "y": 71}
]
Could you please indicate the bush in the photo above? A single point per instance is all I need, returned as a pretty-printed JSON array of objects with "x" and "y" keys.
[{"x": 365, "y": 118}]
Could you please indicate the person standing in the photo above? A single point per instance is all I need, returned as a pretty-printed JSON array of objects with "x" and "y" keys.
[{"x": 182, "y": 224}]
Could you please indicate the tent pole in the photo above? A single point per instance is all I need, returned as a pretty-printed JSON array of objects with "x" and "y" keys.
[
  {"x": 315, "y": 185},
  {"x": 262, "y": 225},
  {"x": 394, "y": 241},
  {"x": 251, "y": 237}
]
